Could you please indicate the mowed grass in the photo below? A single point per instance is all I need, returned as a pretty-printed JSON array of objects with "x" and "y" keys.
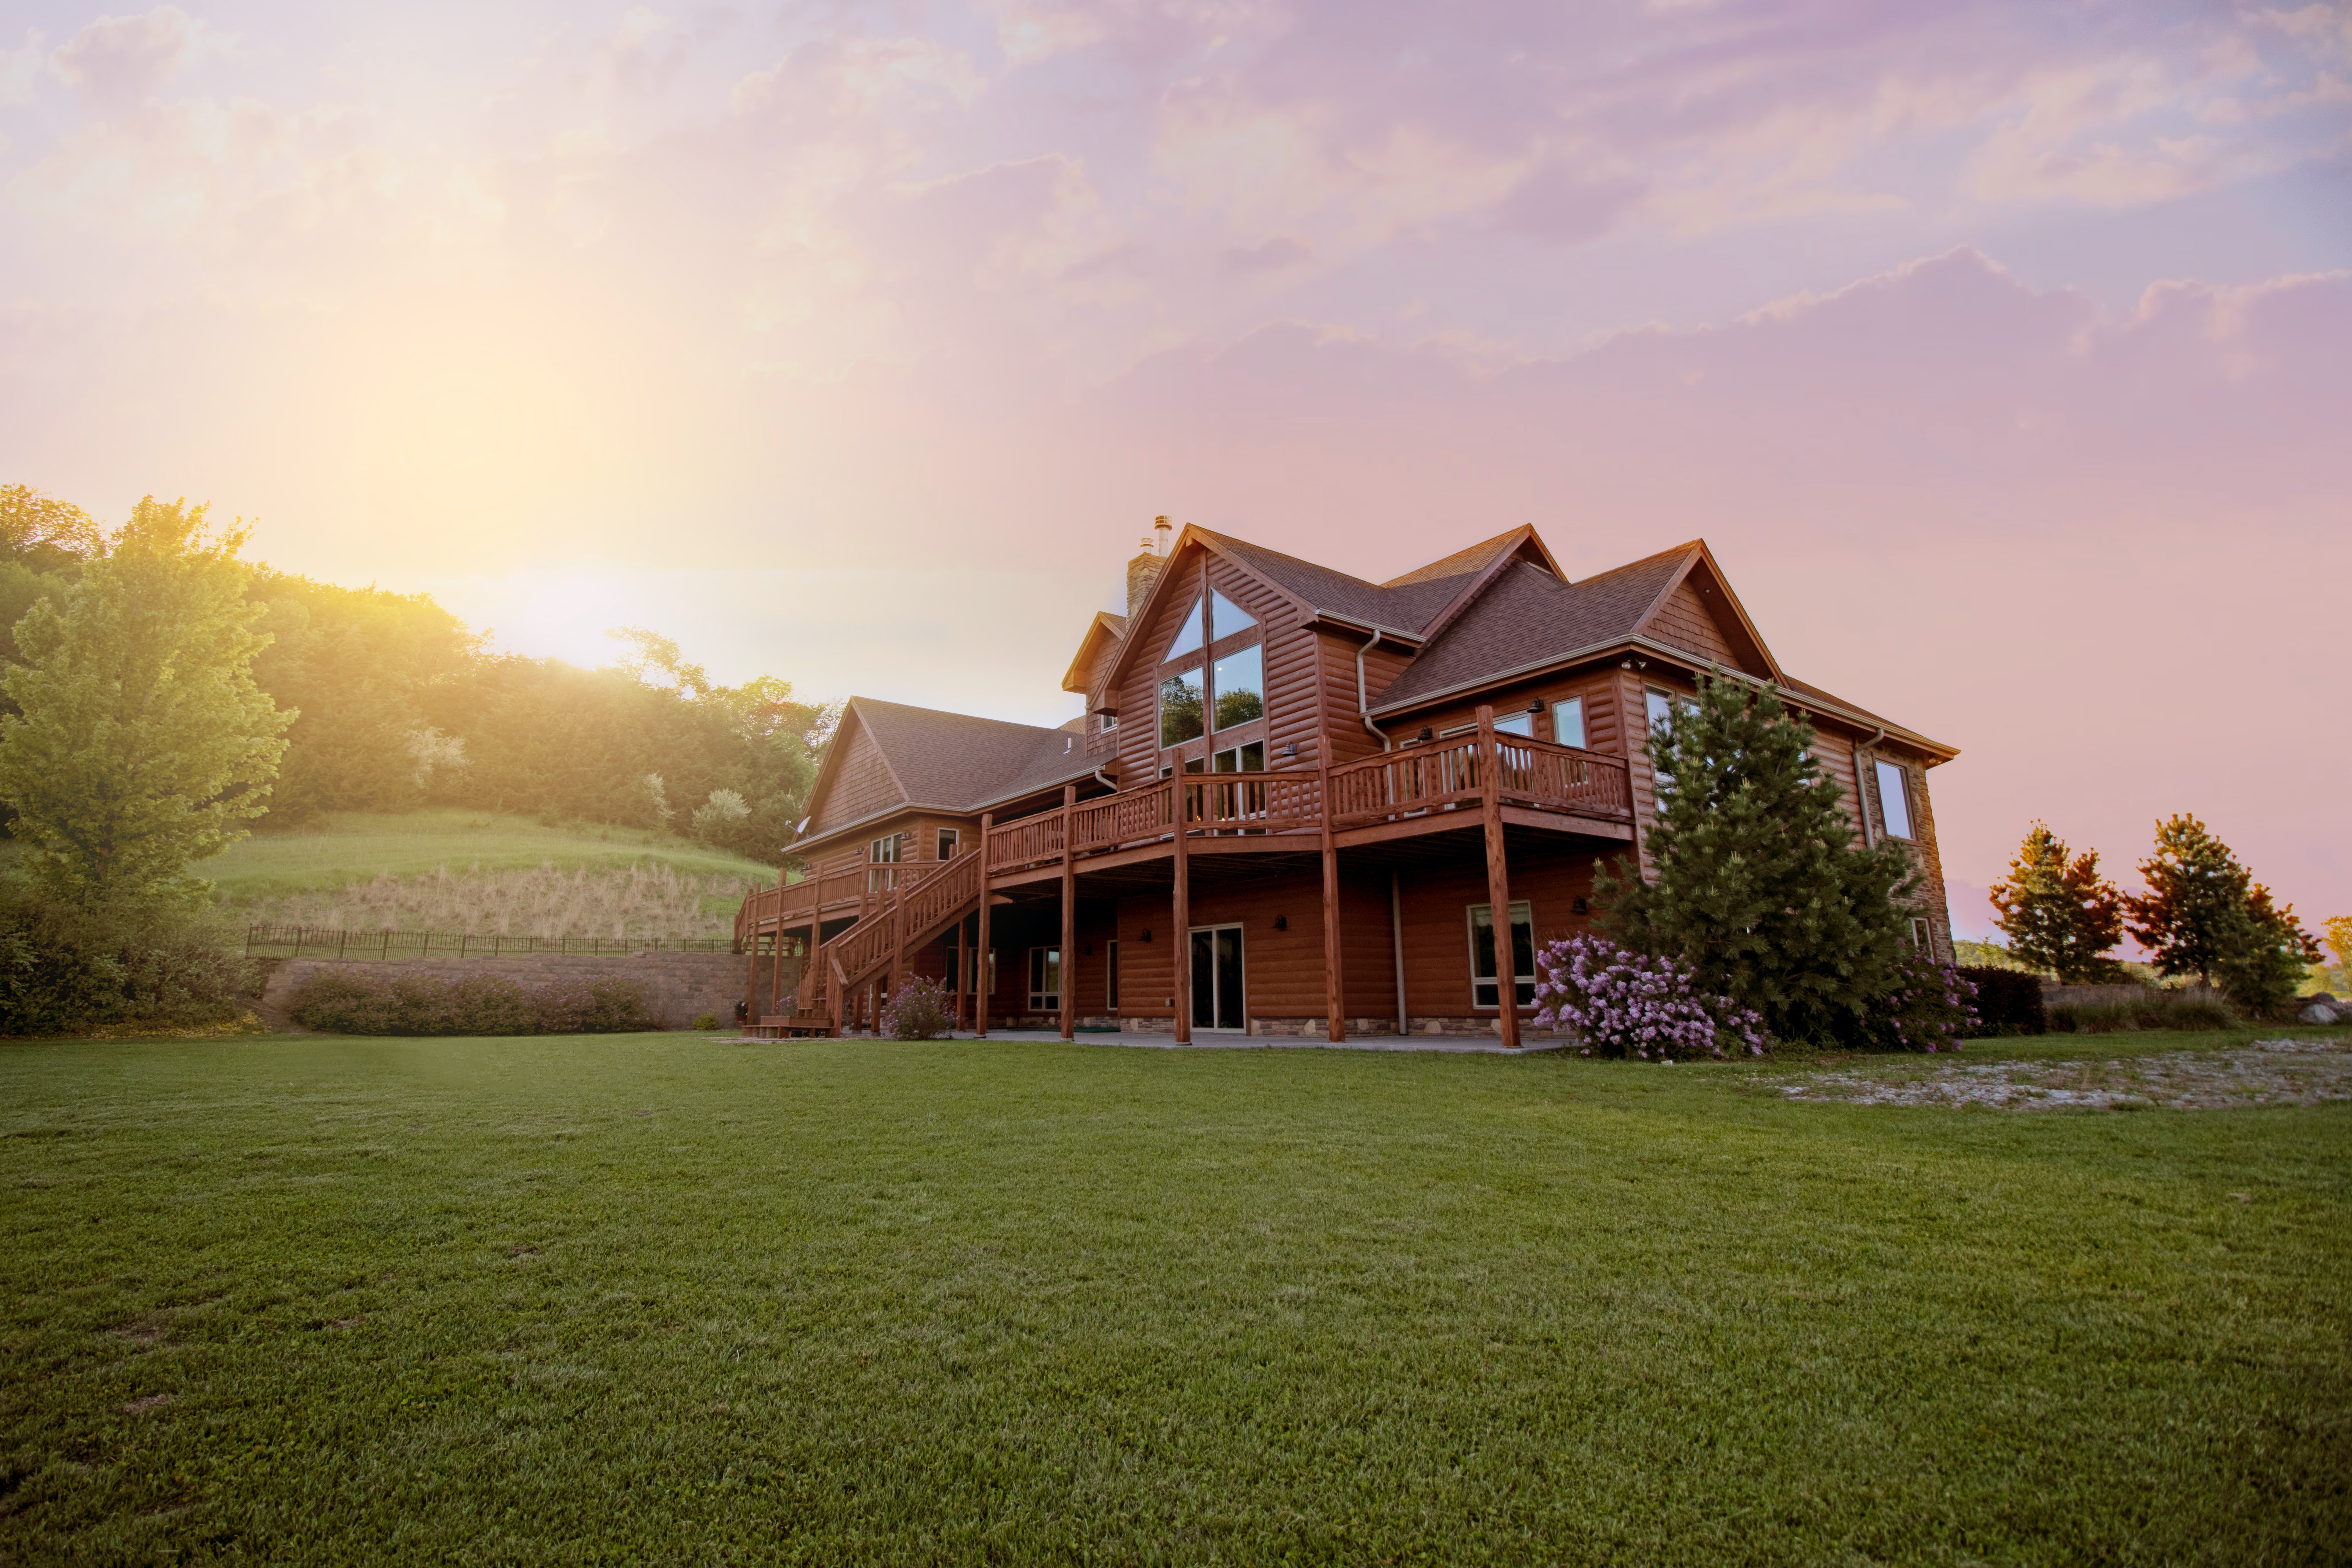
[
  {"x": 657, "y": 1298},
  {"x": 357, "y": 847}
]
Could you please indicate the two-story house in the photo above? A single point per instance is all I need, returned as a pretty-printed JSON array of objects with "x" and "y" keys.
[{"x": 1297, "y": 802}]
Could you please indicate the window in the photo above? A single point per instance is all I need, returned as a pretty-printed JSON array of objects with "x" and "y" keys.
[
  {"x": 1922, "y": 939},
  {"x": 1110, "y": 982},
  {"x": 1225, "y": 617},
  {"x": 949, "y": 839},
  {"x": 883, "y": 855},
  {"x": 1240, "y": 685},
  {"x": 1895, "y": 800},
  {"x": 1180, "y": 707},
  {"x": 1484, "y": 990},
  {"x": 1661, "y": 705},
  {"x": 1249, "y": 758},
  {"x": 1520, "y": 723},
  {"x": 1109, "y": 722},
  {"x": 1188, "y": 636},
  {"x": 1568, "y": 722},
  {"x": 950, "y": 960},
  {"x": 1044, "y": 980}
]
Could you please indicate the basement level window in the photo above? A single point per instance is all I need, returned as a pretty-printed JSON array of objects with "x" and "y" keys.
[
  {"x": 1044, "y": 980},
  {"x": 1895, "y": 800},
  {"x": 1485, "y": 989}
]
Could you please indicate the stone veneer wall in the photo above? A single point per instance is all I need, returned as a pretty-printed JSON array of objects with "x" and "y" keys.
[{"x": 679, "y": 986}]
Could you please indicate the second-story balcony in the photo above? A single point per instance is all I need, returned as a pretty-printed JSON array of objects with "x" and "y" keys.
[{"x": 1415, "y": 790}]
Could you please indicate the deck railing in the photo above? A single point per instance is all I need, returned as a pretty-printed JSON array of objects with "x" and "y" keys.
[{"x": 1395, "y": 786}]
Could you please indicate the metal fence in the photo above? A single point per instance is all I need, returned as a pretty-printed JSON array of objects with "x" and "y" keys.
[{"x": 322, "y": 942}]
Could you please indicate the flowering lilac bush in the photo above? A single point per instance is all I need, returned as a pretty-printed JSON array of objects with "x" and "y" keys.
[
  {"x": 1931, "y": 1006},
  {"x": 1626, "y": 1004},
  {"x": 919, "y": 1009}
]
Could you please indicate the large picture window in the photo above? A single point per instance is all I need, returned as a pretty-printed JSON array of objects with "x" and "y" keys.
[
  {"x": 1485, "y": 986},
  {"x": 1240, "y": 685},
  {"x": 1180, "y": 707},
  {"x": 1189, "y": 636}
]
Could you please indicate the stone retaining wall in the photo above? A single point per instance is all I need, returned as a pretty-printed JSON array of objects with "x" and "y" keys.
[
  {"x": 2055, "y": 995},
  {"x": 679, "y": 986}
]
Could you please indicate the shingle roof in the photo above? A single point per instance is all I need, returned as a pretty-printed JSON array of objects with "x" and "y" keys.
[
  {"x": 1406, "y": 603},
  {"x": 1527, "y": 616},
  {"x": 964, "y": 763}
]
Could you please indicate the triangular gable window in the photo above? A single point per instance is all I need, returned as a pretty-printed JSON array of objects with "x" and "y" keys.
[
  {"x": 1230, "y": 618},
  {"x": 1189, "y": 639}
]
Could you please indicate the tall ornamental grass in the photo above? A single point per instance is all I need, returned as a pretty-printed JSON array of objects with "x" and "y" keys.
[{"x": 647, "y": 901}]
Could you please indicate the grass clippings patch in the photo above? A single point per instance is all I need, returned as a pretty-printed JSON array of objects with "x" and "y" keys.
[{"x": 2264, "y": 1072}]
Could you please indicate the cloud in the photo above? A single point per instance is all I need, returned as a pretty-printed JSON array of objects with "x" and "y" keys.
[
  {"x": 1274, "y": 254},
  {"x": 116, "y": 61},
  {"x": 1557, "y": 203}
]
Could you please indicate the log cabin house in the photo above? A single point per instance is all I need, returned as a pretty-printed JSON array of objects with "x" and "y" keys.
[{"x": 1371, "y": 780}]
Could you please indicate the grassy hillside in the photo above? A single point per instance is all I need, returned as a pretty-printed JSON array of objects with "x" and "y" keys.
[{"x": 357, "y": 847}]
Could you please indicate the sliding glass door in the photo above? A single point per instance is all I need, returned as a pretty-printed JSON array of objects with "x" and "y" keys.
[{"x": 1217, "y": 978}]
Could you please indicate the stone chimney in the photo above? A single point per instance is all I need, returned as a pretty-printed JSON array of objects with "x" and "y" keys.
[{"x": 1144, "y": 569}]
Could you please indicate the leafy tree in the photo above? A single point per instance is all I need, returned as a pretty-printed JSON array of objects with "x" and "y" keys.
[
  {"x": 2339, "y": 942},
  {"x": 143, "y": 741},
  {"x": 2061, "y": 915},
  {"x": 1759, "y": 885},
  {"x": 356, "y": 664},
  {"x": 44, "y": 532}
]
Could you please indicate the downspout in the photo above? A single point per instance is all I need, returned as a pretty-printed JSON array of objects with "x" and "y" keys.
[
  {"x": 1363, "y": 707},
  {"x": 1110, "y": 784}
]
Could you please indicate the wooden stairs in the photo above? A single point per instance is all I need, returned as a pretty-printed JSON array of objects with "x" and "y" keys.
[{"x": 918, "y": 911}]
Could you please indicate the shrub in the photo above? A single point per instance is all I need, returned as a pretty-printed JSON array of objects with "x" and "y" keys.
[
  {"x": 343, "y": 1002},
  {"x": 919, "y": 1009},
  {"x": 2008, "y": 1001},
  {"x": 604, "y": 1005},
  {"x": 1928, "y": 1006},
  {"x": 1627, "y": 1004},
  {"x": 704, "y": 1021},
  {"x": 2157, "y": 1010},
  {"x": 64, "y": 967}
]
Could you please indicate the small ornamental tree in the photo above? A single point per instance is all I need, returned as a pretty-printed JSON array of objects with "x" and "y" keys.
[
  {"x": 144, "y": 742},
  {"x": 919, "y": 1009},
  {"x": 2059, "y": 913},
  {"x": 1760, "y": 888}
]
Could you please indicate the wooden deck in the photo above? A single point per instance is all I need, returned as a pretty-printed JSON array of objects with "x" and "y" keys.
[{"x": 1420, "y": 789}]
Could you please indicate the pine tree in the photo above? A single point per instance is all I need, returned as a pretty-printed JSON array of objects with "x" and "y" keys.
[
  {"x": 2204, "y": 914},
  {"x": 143, "y": 740},
  {"x": 1759, "y": 885},
  {"x": 2265, "y": 954},
  {"x": 2196, "y": 900},
  {"x": 2059, "y": 913}
]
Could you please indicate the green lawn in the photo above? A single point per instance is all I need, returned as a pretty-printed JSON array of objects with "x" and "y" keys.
[
  {"x": 655, "y": 1297},
  {"x": 349, "y": 847}
]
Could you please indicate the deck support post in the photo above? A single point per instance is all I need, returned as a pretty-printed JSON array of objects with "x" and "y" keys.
[
  {"x": 1069, "y": 977},
  {"x": 751, "y": 975},
  {"x": 1334, "y": 1002},
  {"x": 1396, "y": 950},
  {"x": 898, "y": 961},
  {"x": 1180, "y": 811},
  {"x": 980, "y": 949},
  {"x": 1498, "y": 877}
]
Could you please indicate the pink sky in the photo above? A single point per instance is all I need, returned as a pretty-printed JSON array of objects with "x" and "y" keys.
[{"x": 2003, "y": 352}]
